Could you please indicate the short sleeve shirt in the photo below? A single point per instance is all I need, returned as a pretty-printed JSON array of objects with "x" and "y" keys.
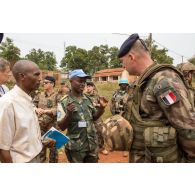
[{"x": 19, "y": 127}]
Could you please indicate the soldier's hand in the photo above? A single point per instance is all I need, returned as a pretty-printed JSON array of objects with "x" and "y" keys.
[
  {"x": 70, "y": 108},
  {"x": 49, "y": 143},
  {"x": 103, "y": 102},
  {"x": 40, "y": 111}
]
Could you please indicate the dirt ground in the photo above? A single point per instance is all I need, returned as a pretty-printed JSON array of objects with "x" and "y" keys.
[{"x": 112, "y": 157}]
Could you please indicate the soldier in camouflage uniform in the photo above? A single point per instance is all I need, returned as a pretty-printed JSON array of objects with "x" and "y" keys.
[
  {"x": 188, "y": 70},
  {"x": 77, "y": 114},
  {"x": 64, "y": 89},
  {"x": 160, "y": 113},
  {"x": 92, "y": 92},
  {"x": 119, "y": 98},
  {"x": 46, "y": 104}
]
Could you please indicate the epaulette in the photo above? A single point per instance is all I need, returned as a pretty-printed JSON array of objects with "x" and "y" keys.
[
  {"x": 88, "y": 97},
  {"x": 64, "y": 97}
]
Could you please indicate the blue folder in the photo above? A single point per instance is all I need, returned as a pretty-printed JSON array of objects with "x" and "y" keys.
[{"x": 59, "y": 137}]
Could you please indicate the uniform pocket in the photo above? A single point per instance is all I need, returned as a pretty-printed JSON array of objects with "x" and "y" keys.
[
  {"x": 75, "y": 143},
  {"x": 160, "y": 144}
]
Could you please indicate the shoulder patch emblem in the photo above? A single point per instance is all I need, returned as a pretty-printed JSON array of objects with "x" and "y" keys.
[{"x": 169, "y": 97}]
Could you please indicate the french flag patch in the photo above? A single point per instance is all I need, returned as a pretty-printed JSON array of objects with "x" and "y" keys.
[{"x": 169, "y": 98}]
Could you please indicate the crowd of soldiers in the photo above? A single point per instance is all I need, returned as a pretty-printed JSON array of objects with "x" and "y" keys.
[{"x": 153, "y": 118}]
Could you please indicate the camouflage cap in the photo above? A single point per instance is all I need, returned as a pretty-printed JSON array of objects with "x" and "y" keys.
[
  {"x": 186, "y": 67},
  {"x": 89, "y": 82}
]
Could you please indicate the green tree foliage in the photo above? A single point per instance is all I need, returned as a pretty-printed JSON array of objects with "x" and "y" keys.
[
  {"x": 160, "y": 55},
  {"x": 45, "y": 60},
  {"x": 97, "y": 58},
  {"x": 9, "y": 51},
  {"x": 113, "y": 57},
  {"x": 75, "y": 58},
  {"x": 103, "y": 57},
  {"x": 192, "y": 60}
]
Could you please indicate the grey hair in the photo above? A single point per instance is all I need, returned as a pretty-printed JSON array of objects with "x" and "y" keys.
[
  {"x": 3, "y": 64},
  {"x": 22, "y": 66}
]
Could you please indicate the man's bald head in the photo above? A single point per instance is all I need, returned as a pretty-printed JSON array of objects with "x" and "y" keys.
[
  {"x": 27, "y": 75},
  {"x": 23, "y": 67}
]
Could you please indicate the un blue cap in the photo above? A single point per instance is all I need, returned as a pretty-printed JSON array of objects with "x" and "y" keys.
[
  {"x": 123, "y": 81},
  {"x": 1, "y": 37},
  {"x": 78, "y": 73},
  {"x": 127, "y": 45}
]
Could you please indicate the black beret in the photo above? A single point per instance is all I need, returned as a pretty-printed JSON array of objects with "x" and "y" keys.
[
  {"x": 127, "y": 45},
  {"x": 50, "y": 78},
  {"x": 1, "y": 37}
]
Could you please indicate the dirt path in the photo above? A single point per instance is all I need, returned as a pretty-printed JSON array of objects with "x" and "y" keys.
[{"x": 112, "y": 157}]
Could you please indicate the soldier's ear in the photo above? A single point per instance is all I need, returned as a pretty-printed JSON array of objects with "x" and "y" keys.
[
  {"x": 189, "y": 75},
  {"x": 131, "y": 55}
]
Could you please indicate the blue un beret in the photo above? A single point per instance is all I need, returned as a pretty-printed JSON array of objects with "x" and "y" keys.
[
  {"x": 1, "y": 37},
  {"x": 78, "y": 73},
  {"x": 127, "y": 45}
]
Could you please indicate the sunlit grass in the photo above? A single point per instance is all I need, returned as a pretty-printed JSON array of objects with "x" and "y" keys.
[{"x": 106, "y": 89}]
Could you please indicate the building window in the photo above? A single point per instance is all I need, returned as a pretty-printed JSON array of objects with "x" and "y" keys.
[
  {"x": 104, "y": 78},
  {"x": 115, "y": 78}
]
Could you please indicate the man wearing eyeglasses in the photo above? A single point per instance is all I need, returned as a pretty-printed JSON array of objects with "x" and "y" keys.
[{"x": 46, "y": 103}]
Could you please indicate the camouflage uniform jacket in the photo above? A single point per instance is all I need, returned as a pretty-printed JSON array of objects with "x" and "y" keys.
[
  {"x": 154, "y": 104},
  {"x": 45, "y": 101},
  {"x": 118, "y": 101},
  {"x": 59, "y": 96},
  {"x": 81, "y": 138},
  {"x": 191, "y": 95},
  {"x": 95, "y": 99},
  {"x": 163, "y": 101}
]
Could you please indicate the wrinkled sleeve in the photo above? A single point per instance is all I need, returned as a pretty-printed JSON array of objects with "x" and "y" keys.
[
  {"x": 172, "y": 96},
  {"x": 7, "y": 125},
  {"x": 54, "y": 109},
  {"x": 61, "y": 111}
]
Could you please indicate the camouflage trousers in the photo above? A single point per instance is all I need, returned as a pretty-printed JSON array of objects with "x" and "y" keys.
[
  {"x": 53, "y": 153},
  {"x": 82, "y": 156},
  {"x": 101, "y": 137},
  {"x": 136, "y": 158}
]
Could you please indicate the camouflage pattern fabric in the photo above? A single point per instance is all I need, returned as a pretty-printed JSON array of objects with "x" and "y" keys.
[
  {"x": 118, "y": 133},
  {"x": 162, "y": 102},
  {"x": 46, "y": 121},
  {"x": 59, "y": 96},
  {"x": 83, "y": 144},
  {"x": 98, "y": 123},
  {"x": 186, "y": 69},
  {"x": 118, "y": 101}
]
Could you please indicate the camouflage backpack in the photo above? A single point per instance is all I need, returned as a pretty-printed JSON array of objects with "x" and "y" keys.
[{"x": 118, "y": 133}]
